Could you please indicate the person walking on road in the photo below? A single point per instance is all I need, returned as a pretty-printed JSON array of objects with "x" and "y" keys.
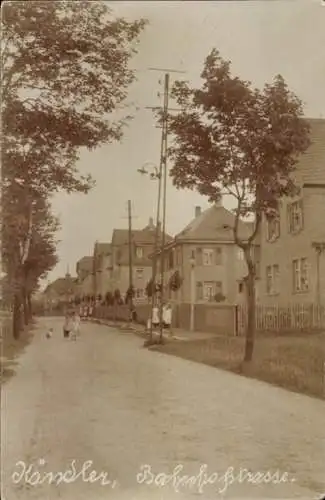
[
  {"x": 75, "y": 326},
  {"x": 67, "y": 326},
  {"x": 167, "y": 317}
]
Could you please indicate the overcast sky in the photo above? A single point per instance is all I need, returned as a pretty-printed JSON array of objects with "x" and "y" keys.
[{"x": 261, "y": 38}]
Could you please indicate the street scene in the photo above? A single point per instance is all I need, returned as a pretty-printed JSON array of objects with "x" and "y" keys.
[
  {"x": 162, "y": 271},
  {"x": 108, "y": 400}
]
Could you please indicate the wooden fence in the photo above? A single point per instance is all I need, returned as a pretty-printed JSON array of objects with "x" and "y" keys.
[{"x": 303, "y": 317}]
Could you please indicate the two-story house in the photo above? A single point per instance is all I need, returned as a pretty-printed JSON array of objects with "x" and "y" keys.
[
  {"x": 207, "y": 259},
  {"x": 102, "y": 269},
  {"x": 84, "y": 269},
  {"x": 293, "y": 242},
  {"x": 142, "y": 247}
]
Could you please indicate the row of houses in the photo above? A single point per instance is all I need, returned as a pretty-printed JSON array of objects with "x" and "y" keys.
[{"x": 289, "y": 250}]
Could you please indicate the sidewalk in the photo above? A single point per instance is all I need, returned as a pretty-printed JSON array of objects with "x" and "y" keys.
[{"x": 177, "y": 333}]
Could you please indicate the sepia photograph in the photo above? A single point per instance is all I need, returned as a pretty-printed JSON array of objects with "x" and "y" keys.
[{"x": 162, "y": 270}]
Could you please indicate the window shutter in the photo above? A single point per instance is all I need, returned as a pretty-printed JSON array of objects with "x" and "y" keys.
[
  {"x": 301, "y": 206},
  {"x": 218, "y": 255},
  {"x": 199, "y": 258}
]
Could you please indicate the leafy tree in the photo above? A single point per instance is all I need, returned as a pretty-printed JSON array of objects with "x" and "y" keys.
[
  {"x": 149, "y": 288},
  {"x": 65, "y": 70},
  {"x": 219, "y": 297},
  {"x": 117, "y": 296},
  {"x": 26, "y": 266},
  {"x": 230, "y": 138},
  {"x": 109, "y": 298},
  {"x": 130, "y": 294},
  {"x": 175, "y": 281}
]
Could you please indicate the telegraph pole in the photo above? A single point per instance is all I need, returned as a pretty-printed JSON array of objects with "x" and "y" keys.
[{"x": 162, "y": 183}]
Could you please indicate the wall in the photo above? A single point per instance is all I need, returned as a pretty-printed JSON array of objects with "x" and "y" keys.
[
  {"x": 219, "y": 319},
  {"x": 294, "y": 246}
]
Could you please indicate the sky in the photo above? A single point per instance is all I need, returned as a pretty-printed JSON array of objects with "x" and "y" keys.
[{"x": 260, "y": 38}]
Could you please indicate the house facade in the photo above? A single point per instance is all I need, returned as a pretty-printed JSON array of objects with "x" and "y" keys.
[
  {"x": 293, "y": 242},
  {"x": 84, "y": 270},
  {"x": 102, "y": 269},
  {"x": 211, "y": 266},
  {"x": 142, "y": 247}
]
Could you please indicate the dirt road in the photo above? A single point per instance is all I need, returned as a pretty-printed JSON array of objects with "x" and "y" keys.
[{"x": 105, "y": 404}]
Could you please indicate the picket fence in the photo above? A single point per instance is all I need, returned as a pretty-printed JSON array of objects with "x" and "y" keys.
[{"x": 293, "y": 317}]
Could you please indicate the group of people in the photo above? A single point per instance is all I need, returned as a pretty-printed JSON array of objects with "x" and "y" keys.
[
  {"x": 71, "y": 326},
  {"x": 165, "y": 320},
  {"x": 86, "y": 311}
]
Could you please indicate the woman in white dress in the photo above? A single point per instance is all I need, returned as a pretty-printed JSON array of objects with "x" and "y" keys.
[{"x": 75, "y": 326}]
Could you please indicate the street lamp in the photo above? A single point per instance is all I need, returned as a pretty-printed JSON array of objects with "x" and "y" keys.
[{"x": 192, "y": 288}]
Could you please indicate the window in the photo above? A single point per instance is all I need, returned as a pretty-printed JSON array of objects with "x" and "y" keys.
[
  {"x": 240, "y": 287},
  {"x": 139, "y": 252},
  {"x": 295, "y": 217},
  {"x": 139, "y": 273},
  {"x": 207, "y": 257},
  {"x": 272, "y": 228},
  {"x": 208, "y": 290},
  {"x": 272, "y": 279},
  {"x": 300, "y": 275}
]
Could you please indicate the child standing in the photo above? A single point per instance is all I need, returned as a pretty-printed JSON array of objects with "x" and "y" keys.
[
  {"x": 75, "y": 326},
  {"x": 67, "y": 326}
]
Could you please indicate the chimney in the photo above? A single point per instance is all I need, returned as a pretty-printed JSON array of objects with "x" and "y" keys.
[
  {"x": 197, "y": 211},
  {"x": 151, "y": 224}
]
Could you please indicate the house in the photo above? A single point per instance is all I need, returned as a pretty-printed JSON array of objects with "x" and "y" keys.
[
  {"x": 142, "y": 247},
  {"x": 102, "y": 269},
  {"x": 293, "y": 242},
  {"x": 85, "y": 281},
  {"x": 204, "y": 255},
  {"x": 62, "y": 290}
]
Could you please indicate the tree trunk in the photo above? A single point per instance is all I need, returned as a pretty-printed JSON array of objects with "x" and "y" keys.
[
  {"x": 17, "y": 316},
  {"x": 25, "y": 307},
  {"x": 250, "y": 328},
  {"x": 29, "y": 303}
]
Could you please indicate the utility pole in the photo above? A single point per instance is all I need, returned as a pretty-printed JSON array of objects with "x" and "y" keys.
[
  {"x": 162, "y": 176},
  {"x": 130, "y": 259}
]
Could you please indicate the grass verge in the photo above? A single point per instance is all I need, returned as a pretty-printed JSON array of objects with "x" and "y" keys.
[
  {"x": 11, "y": 348},
  {"x": 295, "y": 362}
]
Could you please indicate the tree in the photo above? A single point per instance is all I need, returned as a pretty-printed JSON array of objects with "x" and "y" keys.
[
  {"x": 109, "y": 299},
  {"x": 117, "y": 295},
  {"x": 65, "y": 70},
  {"x": 26, "y": 266},
  {"x": 130, "y": 294},
  {"x": 232, "y": 139},
  {"x": 175, "y": 281},
  {"x": 149, "y": 288}
]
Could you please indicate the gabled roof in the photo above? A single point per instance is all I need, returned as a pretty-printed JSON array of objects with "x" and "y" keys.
[
  {"x": 216, "y": 223},
  {"x": 103, "y": 248},
  {"x": 85, "y": 263},
  {"x": 61, "y": 286},
  {"x": 139, "y": 236},
  {"x": 311, "y": 164}
]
